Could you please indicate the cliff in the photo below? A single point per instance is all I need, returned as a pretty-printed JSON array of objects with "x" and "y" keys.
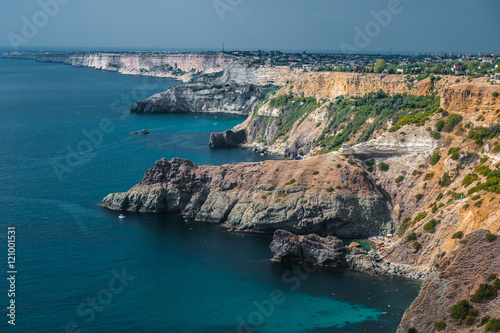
[
  {"x": 302, "y": 134},
  {"x": 262, "y": 197},
  {"x": 181, "y": 66},
  {"x": 235, "y": 89},
  {"x": 227, "y": 98}
]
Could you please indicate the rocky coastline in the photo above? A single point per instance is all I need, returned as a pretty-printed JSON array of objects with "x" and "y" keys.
[{"x": 414, "y": 181}]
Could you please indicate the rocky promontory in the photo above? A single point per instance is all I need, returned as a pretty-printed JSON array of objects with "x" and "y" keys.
[
  {"x": 227, "y": 98},
  {"x": 337, "y": 198}
]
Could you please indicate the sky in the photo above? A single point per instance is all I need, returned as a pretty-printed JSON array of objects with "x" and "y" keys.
[{"x": 354, "y": 26}]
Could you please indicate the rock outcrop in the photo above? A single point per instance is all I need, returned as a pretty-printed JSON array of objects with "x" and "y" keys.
[
  {"x": 313, "y": 249},
  {"x": 264, "y": 197},
  {"x": 227, "y": 139},
  {"x": 330, "y": 251}
]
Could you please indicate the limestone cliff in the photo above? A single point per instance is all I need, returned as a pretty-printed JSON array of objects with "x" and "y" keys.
[
  {"x": 337, "y": 198},
  {"x": 456, "y": 95},
  {"x": 234, "y": 99},
  {"x": 181, "y": 66}
]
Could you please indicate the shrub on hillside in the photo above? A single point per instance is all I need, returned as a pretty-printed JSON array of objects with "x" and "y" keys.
[
  {"x": 431, "y": 225},
  {"x": 445, "y": 180},
  {"x": 493, "y": 325},
  {"x": 439, "y": 325},
  {"x": 490, "y": 237},
  {"x": 461, "y": 309},
  {"x": 383, "y": 166},
  {"x": 483, "y": 293},
  {"x": 399, "y": 179},
  {"x": 411, "y": 237},
  {"x": 435, "y": 158},
  {"x": 452, "y": 121}
]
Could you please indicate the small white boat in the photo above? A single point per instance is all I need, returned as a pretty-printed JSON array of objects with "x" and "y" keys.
[
  {"x": 216, "y": 124},
  {"x": 121, "y": 216}
]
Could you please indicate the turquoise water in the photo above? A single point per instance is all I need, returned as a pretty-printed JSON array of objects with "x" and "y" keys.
[{"x": 66, "y": 143}]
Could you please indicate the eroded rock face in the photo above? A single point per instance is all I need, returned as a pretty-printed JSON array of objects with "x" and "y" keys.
[
  {"x": 264, "y": 197},
  {"x": 235, "y": 99},
  {"x": 460, "y": 274}
]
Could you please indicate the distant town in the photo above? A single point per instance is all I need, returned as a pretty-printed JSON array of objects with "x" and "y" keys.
[{"x": 474, "y": 66}]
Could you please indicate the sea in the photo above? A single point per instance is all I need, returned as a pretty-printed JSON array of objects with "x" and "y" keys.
[{"x": 66, "y": 142}]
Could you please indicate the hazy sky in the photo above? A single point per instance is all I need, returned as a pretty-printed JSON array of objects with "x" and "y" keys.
[{"x": 314, "y": 25}]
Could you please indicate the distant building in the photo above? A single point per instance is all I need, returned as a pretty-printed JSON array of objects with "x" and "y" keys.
[
  {"x": 399, "y": 70},
  {"x": 497, "y": 77},
  {"x": 486, "y": 59},
  {"x": 457, "y": 69}
]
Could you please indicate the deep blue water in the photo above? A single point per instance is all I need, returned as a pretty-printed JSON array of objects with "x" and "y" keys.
[{"x": 179, "y": 276}]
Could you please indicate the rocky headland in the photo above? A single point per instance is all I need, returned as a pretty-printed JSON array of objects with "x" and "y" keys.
[{"x": 324, "y": 195}]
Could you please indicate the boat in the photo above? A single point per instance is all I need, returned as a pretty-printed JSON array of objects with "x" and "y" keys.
[
  {"x": 216, "y": 124},
  {"x": 121, "y": 216}
]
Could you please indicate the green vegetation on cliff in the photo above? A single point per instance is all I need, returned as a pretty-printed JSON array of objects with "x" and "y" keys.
[
  {"x": 480, "y": 133},
  {"x": 292, "y": 109},
  {"x": 370, "y": 113}
]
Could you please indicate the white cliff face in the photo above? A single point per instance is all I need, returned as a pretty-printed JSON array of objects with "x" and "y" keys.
[
  {"x": 416, "y": 140},
  {"x": 239, "y": 73},
  {"x": 180, "y": 66},
  {"x": 184, "y": 66}
]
